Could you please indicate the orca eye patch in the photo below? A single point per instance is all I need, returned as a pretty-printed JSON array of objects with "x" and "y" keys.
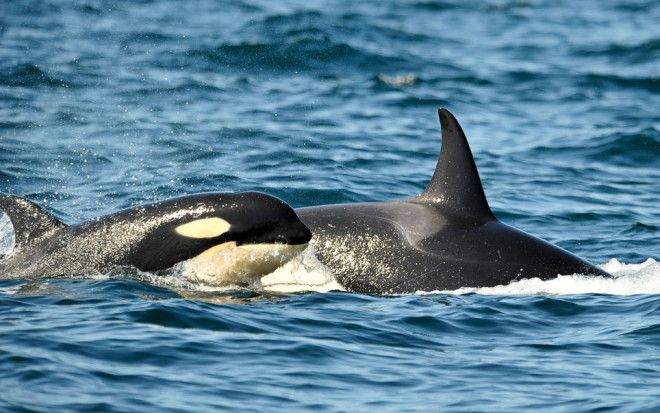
[{"x": 203, "y": 228}]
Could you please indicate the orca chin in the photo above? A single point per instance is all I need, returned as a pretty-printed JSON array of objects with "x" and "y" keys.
[
  {"x": 443, "y": 239},
  {"x": 241, "y": 265}
]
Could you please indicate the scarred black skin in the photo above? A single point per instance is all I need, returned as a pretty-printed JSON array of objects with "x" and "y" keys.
[
  {"x": 444, "y": 239},
  {"x": 143, "y": 237}
]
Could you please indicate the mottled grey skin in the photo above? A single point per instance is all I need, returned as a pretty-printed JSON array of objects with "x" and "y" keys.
[
  {"x": 444, "y": 239},
  {"x": 143, "y": 237}
]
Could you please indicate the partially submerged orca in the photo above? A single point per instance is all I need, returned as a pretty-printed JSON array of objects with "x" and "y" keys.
[
  {"x": 443, "y": 239},
  {"x": 227, "y": 238}
]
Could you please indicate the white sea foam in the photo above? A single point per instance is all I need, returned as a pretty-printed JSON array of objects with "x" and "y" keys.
[
  {"x": 6, "y": 234},
  {"x": 307, "y": 273},
  {"x": 628, "y": 279},
  {"x": 303, "y": 273}
]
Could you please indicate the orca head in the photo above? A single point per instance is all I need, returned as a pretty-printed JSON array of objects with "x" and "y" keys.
[
  {"x": 258, "y": 218},
  {"x": 250, "y": 234}
]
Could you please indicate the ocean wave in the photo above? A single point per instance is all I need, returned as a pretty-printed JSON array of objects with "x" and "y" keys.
[
  {"x": 434, "y": 5},
  {"x": 299, "y": 54},
  {"x": 602, "y": 81},
  {"x": 149, "y": 37},
  {"x": 281, "y": 24},
  {"x": 16, "y": 124},
  {"x": 30, "y": 75},
  {"x": 635, "y": 53},
  {"x": 300, "y": 40},
  {"x": 636, "y": 148},
  {"x": 641, "y": 228}
]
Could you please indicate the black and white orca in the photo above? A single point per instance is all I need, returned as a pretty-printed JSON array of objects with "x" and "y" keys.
[
  {"x": 223, "y": 238},
  {"x": 443, "y": 239}
]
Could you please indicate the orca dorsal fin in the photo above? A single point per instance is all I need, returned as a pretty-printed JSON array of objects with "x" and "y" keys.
[
  {"x": 455, "y": 186},
  {"x": 30, "y": 221}
]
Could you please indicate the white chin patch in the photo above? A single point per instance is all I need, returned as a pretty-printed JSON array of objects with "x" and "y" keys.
[{"x": 230, "y": 264}]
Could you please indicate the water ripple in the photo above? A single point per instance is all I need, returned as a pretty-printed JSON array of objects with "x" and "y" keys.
[{"x": 109, "y": 105}]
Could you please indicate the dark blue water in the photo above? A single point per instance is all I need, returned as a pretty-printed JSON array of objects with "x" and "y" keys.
[{"x": 105, "y": 105}]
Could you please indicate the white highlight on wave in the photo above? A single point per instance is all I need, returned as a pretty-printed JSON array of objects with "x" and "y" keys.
[
  {"x": 303, "y": 273},
  {"x": 628, "y": 279}
]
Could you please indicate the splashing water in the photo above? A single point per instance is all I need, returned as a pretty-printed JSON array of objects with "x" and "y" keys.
[
  {"x": 303, "y": 273},
  {"x": 627, "y": 279},
  {"x": 6, "y": 234}
]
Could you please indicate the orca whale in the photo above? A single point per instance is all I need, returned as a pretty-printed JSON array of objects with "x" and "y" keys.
[
  {"x": 443, "y": 239},
  {"x": 222, "y": 238}
]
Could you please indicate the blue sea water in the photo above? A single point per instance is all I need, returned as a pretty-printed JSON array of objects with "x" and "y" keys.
[{"x": 105, "y": 105}]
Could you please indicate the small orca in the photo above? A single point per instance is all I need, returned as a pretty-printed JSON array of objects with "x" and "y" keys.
[
  {"x": 443, "y": 239},
  {"x": 227, "y": 238}
]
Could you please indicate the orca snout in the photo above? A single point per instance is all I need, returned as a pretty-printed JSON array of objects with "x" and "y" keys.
[
  {"x": 295, "y": 235},
  {"x": 303, "y": 236}
]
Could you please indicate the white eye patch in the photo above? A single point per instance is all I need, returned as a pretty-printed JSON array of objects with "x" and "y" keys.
[{"x": 203, "y": 228}]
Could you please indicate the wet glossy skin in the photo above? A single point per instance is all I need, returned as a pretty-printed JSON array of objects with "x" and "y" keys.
[
  {"x": 145, "y": 237},
  {"x": 442, "y": 240}
]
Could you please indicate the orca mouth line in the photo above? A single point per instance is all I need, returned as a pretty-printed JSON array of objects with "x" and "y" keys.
[
  {"x": 295, "y": 240},
  {"x": 301, "y": 240}
]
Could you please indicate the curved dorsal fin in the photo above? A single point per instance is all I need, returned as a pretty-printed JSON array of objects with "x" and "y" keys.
[
  {"x": 30, "y": 221},
  {"x": 455, "y": 185}
]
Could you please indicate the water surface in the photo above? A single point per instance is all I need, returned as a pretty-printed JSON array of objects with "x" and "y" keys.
[{"x": 108, "y": 105}]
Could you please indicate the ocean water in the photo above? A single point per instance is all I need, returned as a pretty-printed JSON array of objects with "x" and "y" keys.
[{"x": 105, "y": 105}]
